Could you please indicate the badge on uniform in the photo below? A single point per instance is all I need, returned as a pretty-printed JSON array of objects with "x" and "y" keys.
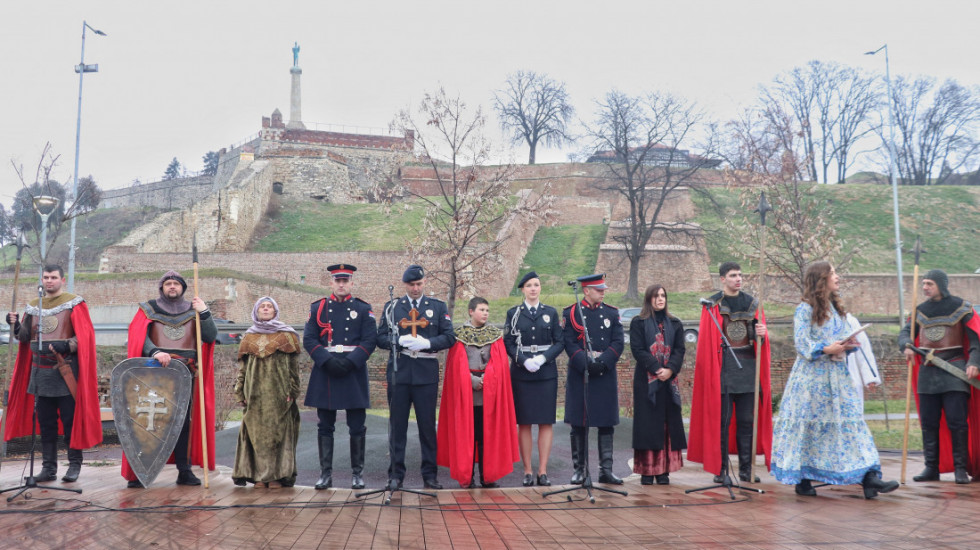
[
  {"x": 546, "y": 317},
  {"x": 606, "y": 323},
  {"x": 429, "y": 313},
  {"x": 353, "y": 314}
]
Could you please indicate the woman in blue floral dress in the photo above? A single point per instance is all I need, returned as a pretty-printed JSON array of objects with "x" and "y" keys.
[{"x": 821, "y": 434}]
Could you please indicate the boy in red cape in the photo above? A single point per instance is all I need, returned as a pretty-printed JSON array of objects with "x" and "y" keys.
[
  {"x": 58, "y": 411},
  {"x": 477, "y": 422},
  {"x": 741, "y": 317},
  {"x": 180, "y": 342}
]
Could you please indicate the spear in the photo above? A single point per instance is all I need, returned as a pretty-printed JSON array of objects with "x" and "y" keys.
[
  {"x": 763, "y": 208},
  {"x": 908, "y": 380},
  {"x": 200, "y": 376},
  {"x": 21, "y": 244}
]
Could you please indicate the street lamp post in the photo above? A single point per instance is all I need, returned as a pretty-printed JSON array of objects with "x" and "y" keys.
[
  {"x": 894, "y": 177},
  {"x": 44, "y": 205},
  {"x": 81, "y": 69}
]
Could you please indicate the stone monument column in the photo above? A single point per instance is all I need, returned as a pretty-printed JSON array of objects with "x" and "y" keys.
[{"x": 295, "y": 109}]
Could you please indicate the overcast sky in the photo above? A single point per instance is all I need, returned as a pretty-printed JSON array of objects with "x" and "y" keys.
[{"x": 180, "y": 78}]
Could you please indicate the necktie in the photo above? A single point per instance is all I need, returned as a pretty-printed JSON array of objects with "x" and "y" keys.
[
  {"x": 415, "y": 304},
  {"x": 534, "y": 311}
]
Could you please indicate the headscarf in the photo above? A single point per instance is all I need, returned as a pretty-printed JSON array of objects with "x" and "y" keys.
[
  {"x": 173, "y": 306},
  {"x": 267, "y": 327}
]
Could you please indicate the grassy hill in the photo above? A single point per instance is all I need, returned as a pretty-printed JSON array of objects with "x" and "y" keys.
[{"x": 946, "y": 217}]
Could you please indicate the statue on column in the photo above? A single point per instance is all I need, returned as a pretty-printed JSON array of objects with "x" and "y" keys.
[{"x": 295, "y": 54}]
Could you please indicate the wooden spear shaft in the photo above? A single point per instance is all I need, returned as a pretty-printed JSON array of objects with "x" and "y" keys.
[
  {"x": 10, "y": 353},
  {"x": 202, "y": 410},
  {"x": 762, "y": 210},
  {"x": 908, "y": 379}
]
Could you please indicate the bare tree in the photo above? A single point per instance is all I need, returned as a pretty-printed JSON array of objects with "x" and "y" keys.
[
  {"x": 937, "y": 129},
  {"x": 458, "y": 237},
  {"x": 800, "y": 230},
  {"x": 534, "y": 108},
  {"x": 640, "y": 139},
  {"x": 830, "y": 105}
]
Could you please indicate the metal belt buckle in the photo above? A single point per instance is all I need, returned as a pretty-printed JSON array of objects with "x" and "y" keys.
[
  {"x": 413, "y": 354},
  {"x": 534, "y": 348},
  {"x": 339, "y": 348}
]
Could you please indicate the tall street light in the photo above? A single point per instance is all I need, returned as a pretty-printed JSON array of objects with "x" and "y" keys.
[
  {"x": 44, "y": 205},
  {"x": 894, "y": 177},
  {"x": 81, "y": 69}
]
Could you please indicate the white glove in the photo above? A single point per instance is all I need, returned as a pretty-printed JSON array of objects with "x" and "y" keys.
[
  {"x": 405, "y": 340},
  {"x": 423, "y": 343},
  {"x": 541, "y": 360},
  {"x": 531, "y": 364}
]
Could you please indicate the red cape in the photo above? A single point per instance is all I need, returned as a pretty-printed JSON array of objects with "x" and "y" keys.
[
  {"x": 704, "y": 443},
  {"x": 87, "y": 426},
  {"x": 134, "y": 348},
  {"x": 972, "y": 417},
  {"x": 455, "y": 447}
]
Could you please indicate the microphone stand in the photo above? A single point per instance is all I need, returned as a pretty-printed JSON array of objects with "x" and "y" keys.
[
  {"x": 393, "y": 340},
  {"x": 729, "y": 478},
  {"x": 587, "y": 482},
  {"x": 30, "y": 482}
]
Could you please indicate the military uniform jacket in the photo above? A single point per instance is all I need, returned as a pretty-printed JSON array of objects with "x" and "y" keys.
[
  {"x": 333, "y": 328},
  {"x": 606, "y": 336},
  {"x": 542, "y": 330},
  {"x": 439, "y": 332}
]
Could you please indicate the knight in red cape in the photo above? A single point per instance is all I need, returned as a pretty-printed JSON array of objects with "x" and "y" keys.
[
  {"x": 720, "y": 385},
  {"x": 477, "y": 422},
  {"x": 68, "y": 330},
  {"x": 164, "y": 329},
  {"x": 949, "y": 408}
]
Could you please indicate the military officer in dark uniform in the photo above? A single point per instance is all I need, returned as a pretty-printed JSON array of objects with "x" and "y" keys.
[
  {"x": 533, "y": 337},
  {"x": 605, "y": 333},
  {"x": 422, "y": 327},
  {"x": 947, "y": 325},
  {"x": 340, "y": 336}
]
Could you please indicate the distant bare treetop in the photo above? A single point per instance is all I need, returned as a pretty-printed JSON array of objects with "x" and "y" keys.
[{"x": 534, "y": 108}]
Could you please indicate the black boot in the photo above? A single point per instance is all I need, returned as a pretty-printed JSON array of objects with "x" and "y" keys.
[
  {"x": 961, "y": 455},
  {"x": 805, "y": 488},
  {"x": 745, "y": 456},
  {"x": 579, "y": 449},
  {"x": 357, "y": 443},
  {"x": 606, "y": 474},
  {"x": 483, "y": 482},
  {"x": 325, "y": 443},
  {"x": 930, "y": 453},
  {"x": 49, "y": 462},
  {"x": 873, "y": 485},
  {"x": 646, "y": 480},
  {"x": 74, "y": 465}
]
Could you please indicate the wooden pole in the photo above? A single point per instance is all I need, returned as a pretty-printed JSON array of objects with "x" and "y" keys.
[
  {"x": 21, "y": 243},
  {"x": 200, "y": 379},
  {"x": 908, "y": 379},
  {"x": 763, "y": 208}
]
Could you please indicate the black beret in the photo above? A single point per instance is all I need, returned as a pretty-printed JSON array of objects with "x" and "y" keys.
[
  {"x": 530, "y": 275},
  {"x": 413, "y": 273}
]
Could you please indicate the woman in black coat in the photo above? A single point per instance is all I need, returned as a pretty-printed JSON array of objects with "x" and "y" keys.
[{"x": 657, "y": 343}]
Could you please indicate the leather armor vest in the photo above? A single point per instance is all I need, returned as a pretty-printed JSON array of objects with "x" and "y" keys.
[
  {"x": 170, "y": 337},
  {"x": 55, "y": 327},
  {"x": 737, "y": 331},
  {"x": 940, "y": 336}
]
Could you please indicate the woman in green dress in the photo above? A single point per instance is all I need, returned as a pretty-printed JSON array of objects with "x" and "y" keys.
[{"x": 267, "y": 387}]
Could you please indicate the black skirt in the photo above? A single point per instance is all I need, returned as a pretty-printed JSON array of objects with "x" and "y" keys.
[{"x": 535, "y": 401}]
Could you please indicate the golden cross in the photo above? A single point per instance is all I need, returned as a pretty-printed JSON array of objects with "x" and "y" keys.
[{"x": 415, "y": 323}]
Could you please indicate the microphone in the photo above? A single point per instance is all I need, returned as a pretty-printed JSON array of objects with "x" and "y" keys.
[
  {"x": 391, "y": 288},
  {"x": 706, "y": 302},
  {"x": 572, "y": 282}
]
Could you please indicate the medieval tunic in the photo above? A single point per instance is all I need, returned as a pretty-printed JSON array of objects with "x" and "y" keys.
[
  {"x": 658, "y": 427},
  {"x": 713, "y": 374},
  {"x": 268, "y": 384},
  {"x": 526, "y": 335},
  {"x": 70, "y": 315},
  {"x": 140, "y": 344},
  {"x": 821, "y": 433},
  {"x": 478, "y": 355},
  {"x": 951, "y": 318}
]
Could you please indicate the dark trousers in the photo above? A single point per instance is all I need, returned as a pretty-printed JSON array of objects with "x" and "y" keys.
[
  {"x": 478, "y": 430},
  {"x": 954, "y": 403},
  {"x": 48, "y": 411},
  {"x": 401, "y": 400},
  {"x": 181, "y": 458},
  {"x": 328, "y": 419},
  {"x": 742, "y": 420}
]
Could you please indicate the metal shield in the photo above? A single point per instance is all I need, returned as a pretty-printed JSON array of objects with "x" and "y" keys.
[{"x": 150, "y": 403}]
